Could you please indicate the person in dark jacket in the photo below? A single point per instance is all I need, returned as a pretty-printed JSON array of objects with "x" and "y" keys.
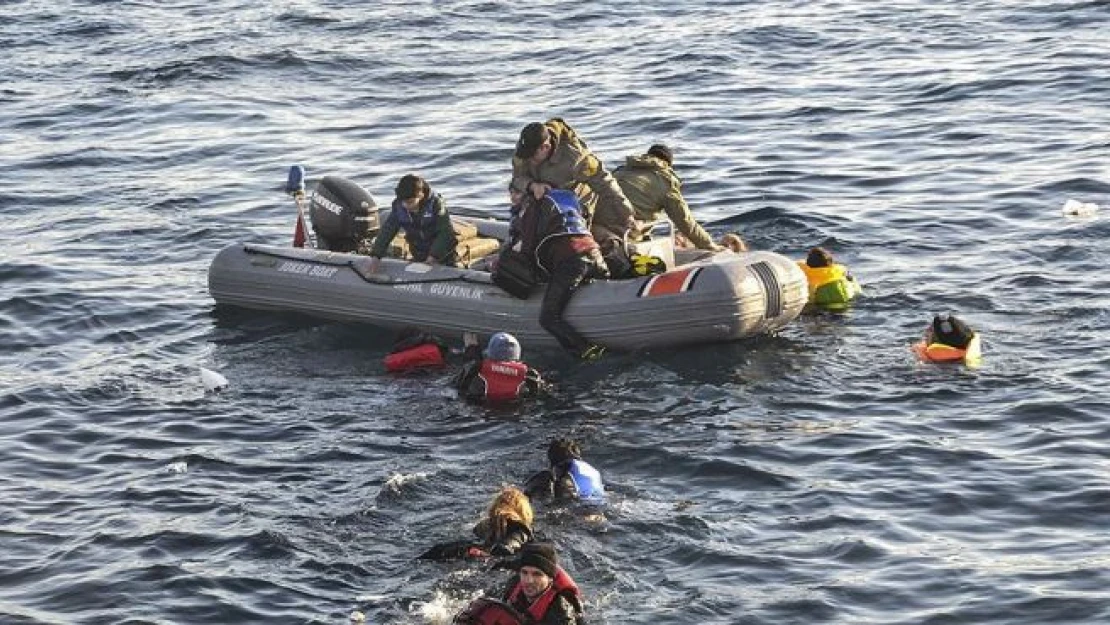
[
  {"x": 551, "y": 231},
  {"x": 505, "y": 529},
  {"x": 500, "y": 375},
  {"x": 542, "y": 590},
  {"x": 423, "y": 215},
  {"x": 569, "y": 476}
]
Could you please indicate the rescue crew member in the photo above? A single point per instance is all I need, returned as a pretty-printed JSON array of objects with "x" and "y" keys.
[
  {"x": 551, "y": 231},
  {"x": 652, "y": 187},
  {"x": 500, "y": 376},
  {"x": 569, "y": 476},
  {"x": 550, "y": 156},
  {"x": 830, "y": 284},
  {"x": 506, "y": 528},
  {"x": 542, "y": 590},
  {"x": 422, "y": 214}
]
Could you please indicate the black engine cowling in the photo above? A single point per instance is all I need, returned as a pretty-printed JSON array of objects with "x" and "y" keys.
[{"x": 342, "y": 214}]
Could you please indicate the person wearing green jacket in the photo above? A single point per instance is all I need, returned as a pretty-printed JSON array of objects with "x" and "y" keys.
[
  {"x": 650, "y": 184},
  {"x": 423, "y": 215}
]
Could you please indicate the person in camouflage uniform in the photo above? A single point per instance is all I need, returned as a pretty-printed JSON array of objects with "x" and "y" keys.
[
  {"x": 650, "y": 184},
  {"x": 551, "y": 155}
]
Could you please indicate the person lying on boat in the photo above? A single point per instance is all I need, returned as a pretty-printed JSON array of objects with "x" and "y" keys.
[
  {"x": 568, "y": 477},
  {"x": 551, "y": 155},
  {"x": 552, "y": 231},
  {"x": 498, "y": 375},
  {"x": 649, "y": 182},
  {"x": 830, "y": 284},
  {"x": 416, "y": 349},
  {"x": 422, "y": 215},
  {"x": 505, "y": 529}
]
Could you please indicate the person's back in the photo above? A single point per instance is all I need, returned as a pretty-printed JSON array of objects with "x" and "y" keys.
[
  {"x": 652, "y": 187},
  {"x": 498, "y": 375},
  {"x": 569, "y": 477}
]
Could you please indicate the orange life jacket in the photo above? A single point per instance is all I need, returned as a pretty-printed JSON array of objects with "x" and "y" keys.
[
  {"x": 503, "y": 379},
  {"x": 424, "y": 355},
  {"x": 562, "y": 584},
  {"x": 939, "y": 352}
]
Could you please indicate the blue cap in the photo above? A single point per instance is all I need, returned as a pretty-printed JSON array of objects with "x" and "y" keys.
[
  {"x": 503, "y": 346},
  {"x": 295, "y": 183}
]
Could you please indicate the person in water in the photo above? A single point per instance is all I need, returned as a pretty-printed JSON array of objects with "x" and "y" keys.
[
  {"x": 949, "y": 339},
  {"x": 551, "y": 155},
  {"x": 505, "y": 529},
  {"x": 551, "y": 231},
  {"x": 542, "y": 590},
  {"x": 568, "y": 477},
  {"x": 416, "y": 349},
  {"x": 830, "y": 284},
  {"x": 498, "y": 375},
  {"x": 423, "y": 216},
  {"x": 649, "y": 182}
]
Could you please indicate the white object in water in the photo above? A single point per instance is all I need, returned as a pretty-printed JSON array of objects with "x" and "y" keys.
[
  {"x": 357, "y": 617},
  {"x": 213, "y": 381},
  {"x": 1080, "y": 209}
]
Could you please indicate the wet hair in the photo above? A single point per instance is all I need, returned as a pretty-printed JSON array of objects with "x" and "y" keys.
[
  {"x": 510, "y": 504},
  {"x": 819, "y": 257},
  {"x": 563, "y": 450},
  {"x": 662, "y": 152},
  {"x": 411, "y": 186},
  {"x": 952, "y": 331},
  {"x": 531, "y": 138}
]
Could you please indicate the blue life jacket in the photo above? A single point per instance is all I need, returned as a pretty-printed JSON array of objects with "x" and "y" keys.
[
  {"x": 567, "y": 203},
  {"x": 420, "y": 235},
  {"x": 587, "y": 480}
]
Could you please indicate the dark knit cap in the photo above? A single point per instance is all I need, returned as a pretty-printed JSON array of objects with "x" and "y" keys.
[
  {"x": 541, "y": 556},
  {"x": 531, "y": 138},
  {"x": 662, "y": 153},
  {"x": 818, "y": 257}
]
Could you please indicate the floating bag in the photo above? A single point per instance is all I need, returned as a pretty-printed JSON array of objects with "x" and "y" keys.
[
  {"x": 515, "y": 273},
  {"x": 483, "y": 611}
]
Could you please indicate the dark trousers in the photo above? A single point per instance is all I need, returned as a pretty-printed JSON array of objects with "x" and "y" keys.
[{"x": 565, "y": 280}]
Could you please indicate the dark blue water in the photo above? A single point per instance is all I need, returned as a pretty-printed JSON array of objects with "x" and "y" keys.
[{"x": 817, "y": 476}]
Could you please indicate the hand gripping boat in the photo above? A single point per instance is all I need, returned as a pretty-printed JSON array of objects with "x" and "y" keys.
[{"x": 704, "y": 298}]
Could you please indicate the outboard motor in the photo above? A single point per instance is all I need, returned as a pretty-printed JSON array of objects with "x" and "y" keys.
[{"x": 342, "y": 213}]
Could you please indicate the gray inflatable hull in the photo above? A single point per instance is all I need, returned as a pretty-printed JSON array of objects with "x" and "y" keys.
[{"x": 723, "y": 297}]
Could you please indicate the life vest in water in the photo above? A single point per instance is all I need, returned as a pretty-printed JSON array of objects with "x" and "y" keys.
[
  {"x": 939, "y": 352},
  {"x": 418, "y": 356},
  {"x": 562, "y": 584},
  {"x": 830, "y": 287},
  {"x": 503, "y": 379},
  {"x": 484, "y": 611},
  {"x": 587, "y": 480}
]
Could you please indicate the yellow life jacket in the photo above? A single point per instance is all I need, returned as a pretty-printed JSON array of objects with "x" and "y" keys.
[
  {"x": 939, "y": 352},
  {"x": 830, "y": 286}
]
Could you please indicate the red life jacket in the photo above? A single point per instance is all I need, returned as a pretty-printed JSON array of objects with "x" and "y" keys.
[
  {"x": 423, "y": 355},
  {"x": 484, "y": 611},
  {"x": 503, "y": 379},
  {"x": 561, "y": 585}
]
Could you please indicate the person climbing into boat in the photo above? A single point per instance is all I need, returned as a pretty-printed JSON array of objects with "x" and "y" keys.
[
  {"x": 505, "y": 529},
  {"x": 654, "y": 189},
  {"x": 542, "y": 590},
  {"x": 568, "y": 477},
  {"x": 498, "y": 375},
  {"x": 416, "y": 349},
  {"x": 949, "y": 339},
  {"x": 831, "y": 286},
  {"x": 551, "y": 231},
  {"x": 423, "y": 216},
  {"x": 551, "y": 155}
]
